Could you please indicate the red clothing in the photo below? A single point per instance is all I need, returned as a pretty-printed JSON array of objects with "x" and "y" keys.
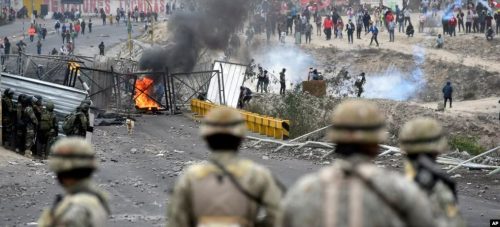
[
  {"x": 31, "y": 31},
  {"x": 77, "y": 28},
  {"x": 328, "y": 23},
  {"x": 452, "y": 22},
  {"x": 389, "y": 17}
]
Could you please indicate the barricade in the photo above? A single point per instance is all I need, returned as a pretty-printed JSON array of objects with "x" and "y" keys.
[{"x": 264, "y": 125}]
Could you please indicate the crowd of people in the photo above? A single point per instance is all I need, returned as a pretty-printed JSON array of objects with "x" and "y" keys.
[
  {"x": 30, "y": 125},
  {"x": 286, "y": 19}
]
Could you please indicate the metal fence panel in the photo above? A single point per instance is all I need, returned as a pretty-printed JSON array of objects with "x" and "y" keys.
[
  {"x": 233, "y": 75},
  {"x": 65, "y": 99}
]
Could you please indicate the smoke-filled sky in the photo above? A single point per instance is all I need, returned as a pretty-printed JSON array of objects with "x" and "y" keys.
[{"x": 209, "y": 27}]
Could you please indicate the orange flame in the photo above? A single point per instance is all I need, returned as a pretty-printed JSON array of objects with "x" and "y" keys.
[{"x": 143, "y": 93}]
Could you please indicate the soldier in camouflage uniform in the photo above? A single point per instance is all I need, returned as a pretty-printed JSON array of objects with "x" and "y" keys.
[
  {"x": 84, "y": 204},
  {"x": 226, "y": 190},
  {"x": 423, "y": 140},
  {"x": 85, "y": 109},
  {"x": 79, "y": 126},
  {"x": 8, "y": 119},
  {"x": 354, "y": 191},
  {"x": 38, "y": 110},
  {"x": 48, "y": 129},
  {"x": 22, "y": 102},
  {"x": 31, "y": 123}
]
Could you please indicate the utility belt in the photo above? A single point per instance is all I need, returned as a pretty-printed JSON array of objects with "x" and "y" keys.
[{"x": 223, "y": 221}]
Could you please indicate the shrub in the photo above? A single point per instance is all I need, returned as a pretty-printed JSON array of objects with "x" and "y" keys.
[{"x": 464, "y": 143}]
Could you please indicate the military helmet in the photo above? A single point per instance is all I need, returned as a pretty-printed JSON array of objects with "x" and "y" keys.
[
  {"x": 422, "y": 135},
  {"x": 71, "y": 153},
  {"x": 84, "y": 107},
  {"x": 357, "y": 121},
  {"x": 223, "y": 120},
  {"x": 49, "y": 106},
  {"x": 11, "y": 92},
  {"x": 31, "y": 100},
  {"x": 6, "y": 91}
]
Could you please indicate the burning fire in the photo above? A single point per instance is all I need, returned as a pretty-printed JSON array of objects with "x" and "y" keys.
[{"x": 144, "y": 88}]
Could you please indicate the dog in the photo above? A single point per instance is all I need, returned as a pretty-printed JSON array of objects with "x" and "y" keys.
[{"x": 130, "y": 122}]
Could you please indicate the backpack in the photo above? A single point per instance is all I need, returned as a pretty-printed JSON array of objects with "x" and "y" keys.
[
  {"x": 69, "y": 123},
  {"x": 46, "y": 121}
]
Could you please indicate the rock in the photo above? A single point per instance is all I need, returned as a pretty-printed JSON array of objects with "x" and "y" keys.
[
  {"x": 179, "y": 152},
  {"x": 456, "y": 176},
  {"x": 114, "y": 160},
  {"x": 133, "y": 150},
  {"x": 265, "y": 157}
]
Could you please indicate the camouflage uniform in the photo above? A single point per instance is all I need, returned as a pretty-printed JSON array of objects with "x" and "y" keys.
[
  {"x": 83, "y": 204},
  {"x": 31, "y": 124},
  {"x": 80, "y": 125},
  {"x": 423, "y": 139},
  {"x": 8, "y": 119},
  {"x": 48, "y": 129},
  {"x": 20, "y": 125},
  {"x": 205, "y": 195},
  {"x": 38, "y": 110},
  {"x": 353, "y": 191}
]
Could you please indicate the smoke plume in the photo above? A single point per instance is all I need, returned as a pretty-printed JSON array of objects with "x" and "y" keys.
[
  {"x": 395, "y": 84},
  {"x": 294, "y": 59},
  {"x": 209, "y": 26}
]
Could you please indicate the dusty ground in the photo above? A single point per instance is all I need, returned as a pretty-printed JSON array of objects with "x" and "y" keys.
[{"x": 138, "y": 171}]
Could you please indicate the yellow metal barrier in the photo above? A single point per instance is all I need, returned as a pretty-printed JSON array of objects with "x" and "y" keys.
[{"x": 264, "y": 125}]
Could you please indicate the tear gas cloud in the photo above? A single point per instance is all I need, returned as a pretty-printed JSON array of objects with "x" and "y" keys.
[
  {"x": 294, "y": 59},
  {"x": 208, "y": 27},
  {"x": 396, "y": 84}
]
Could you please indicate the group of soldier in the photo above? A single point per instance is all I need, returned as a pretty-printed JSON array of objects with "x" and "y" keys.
[
  {"x": 231, "y": 191},
  {"x": 30, "y": 125}
]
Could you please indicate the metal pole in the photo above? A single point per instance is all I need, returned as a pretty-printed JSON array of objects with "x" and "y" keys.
[
  {"x": 165, "y": 87},
  {"x": 470, "y": 159}
]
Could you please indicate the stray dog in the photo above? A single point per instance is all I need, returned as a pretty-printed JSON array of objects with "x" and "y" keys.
[{"x": 130, "y": 122}]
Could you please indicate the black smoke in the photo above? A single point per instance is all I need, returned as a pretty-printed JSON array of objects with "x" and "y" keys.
[{"x": 209, "y": 26}]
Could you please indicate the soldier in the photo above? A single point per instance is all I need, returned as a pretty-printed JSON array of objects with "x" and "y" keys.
[
  {"x": 20, "y": 126},
  {"x": 226, "y": 190},
  {"x": 48, "y": 129},
  {"x": 423, "y": 140},
  {"x": 84, "y": 204},
  {"x": 85, "y": 109},
  {"x": 353, "y": 191},
  {"x": 75, "y": 123},
  {"x": 8, "y": 119},
  {"x": 31, "y": 124},
  {"x": 38, "y": 109}
]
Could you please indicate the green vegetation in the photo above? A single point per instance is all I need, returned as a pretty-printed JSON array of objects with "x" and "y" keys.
[{"x": 465, "y": 143}]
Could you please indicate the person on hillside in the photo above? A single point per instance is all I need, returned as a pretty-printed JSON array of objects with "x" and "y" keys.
[
  {"x": 447, "y": 93},
  {"x": 350, "y": 31},
  {"x": 374, "y": 31},
  {"x": 391, "y": 27},
  {"x": 489, "y": 33},
  {"x": 328, "y": 25},
  {"x": 439, "y": 42},
  {"x": 468, "y": 23},
  {"x": 308, "y": 32},
  {"x": 452, "y": 24},
  {"x": 366, "y": 21},
  {"x": 421, "y": 23},
  {"x": 497, "y": 21},
  {"x": 318, "y": 25},
  {"x": 409, "y": 30},
  {"x": 460, "y": 20}
]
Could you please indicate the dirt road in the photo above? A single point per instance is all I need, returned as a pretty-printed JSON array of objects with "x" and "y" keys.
[{"x": 139, "y": 171}]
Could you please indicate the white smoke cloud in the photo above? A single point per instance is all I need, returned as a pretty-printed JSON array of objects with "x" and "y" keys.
[
  {"x": 395, "y": 84},
  {"x": 291, "y": 57}
]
